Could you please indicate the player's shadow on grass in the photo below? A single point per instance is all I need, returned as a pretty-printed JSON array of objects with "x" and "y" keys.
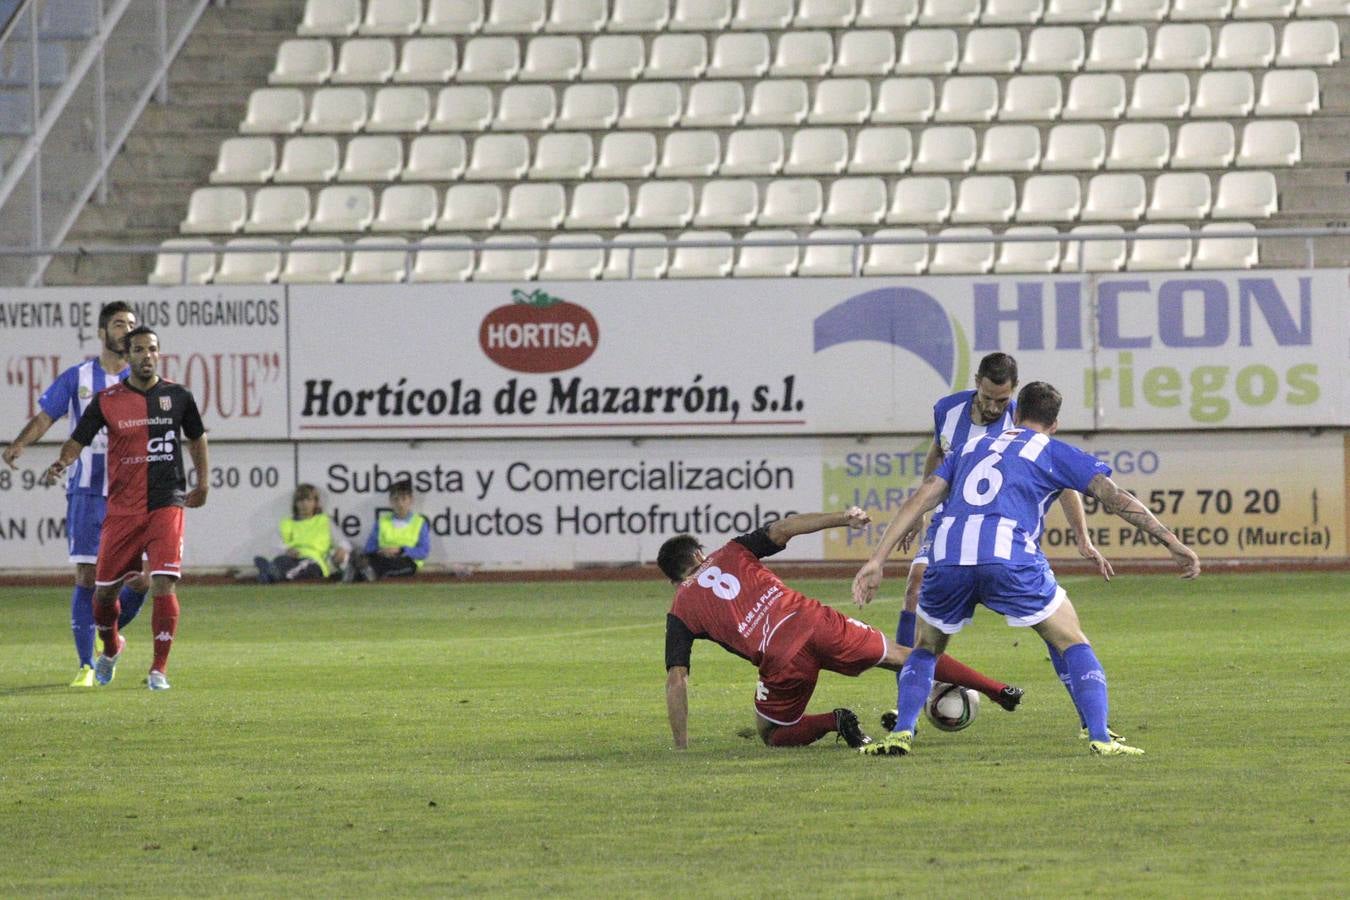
[{"x": 32, "y": 689}]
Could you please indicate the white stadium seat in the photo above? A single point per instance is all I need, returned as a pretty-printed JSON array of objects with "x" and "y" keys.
[
  {"x": 274, "y": 111},
  {"x": 1160, "y": 255},
  {"x": 1118, "y": 48},
  {"x": 589, "y": 106},
  {"x": 336, "y": 110},
  {"x": 738, "y": 55},
  {"x": 302, "y": 61},
  {"x": 490, "y": 59},
  {"x": 946, "y": 148},
  {"x": 1270, "y": 143},
  {"x": 928, "y": 51},
  {"x": 905, "y": 100},
  {"x": 1076, "y": 11},
  {"x": 985, "y": 198},
  {"x": 471, "y": 207},
  {"x": 554, "y": 58},
  {"x": 677, "y": 56},
  {"x": 1246, "y": 195},
  {"x": 1226, "y": 94},
  {"x": 1204, "y": 10},
  {"x": 778, "y": 102},
  {"x": 841, "y": 101},
  {"x": 1140, "y": 145},
  {"x": 1245, "y": 45},
  {"x": 1226, "y": 252},
  {"x": 750, "y": 151},
  {"x": 1074, "y": 148},
  {"x": 516, "y": 17},
  {"x": 250, "y": 268},
  {"x": 1010, "y": 148},
  {"x": 1294, "y": 92},
  {"x": 962, "y": 258},
  {"x": 1033, "y": 98},
  {"x": 365, "y": 61},
  {"x": 1055, "y": 49},
  {"x": 245, "y": 160},
  {"x": 1096, "y": 96},
  {"x": 598, "y": 204},
  {"x": 370, "y": 158},
  {"x": 855, "y": 201},
  {"x": 792, "y": 201},
  {"x": 399, "y": 109},
  {"x": 727, "y": 202},
  {"x": 1263, "y": 9},
  {"x": 865, "y": 53},
  {"x": 769, "y": 261},
  {"x": 498, "y": 157},
  {"x": 1160, "y": 95},
  {"x": 573, "y": 263},
  {"x": 562, "y": 156},
  {"x": 971, "y": 98},
  {"x": 886, "y": 13},
  {"x": 577, "y": 16},
  {"x": 525, "y": 107},
  {"x": 497, "y": 263},
  {"x": 436, "y": 157},
  {"x": 925, "y": 201},
  {"x": 307, "y": 159},
  {"x": 654, "y": 105},
  {"x": 762, "y": 15},
  {"x": 368, "y": 266},
  {"x": 347, "y": 207},
  {"x": 615, "y": 57},
  {"x": 443, "y": 259},
  {"x": 1137, "y": 10},
  {"x": 1115, "y": 197},
  {"x": 534, "y": 207},
  {"x": 1095, "y": 256},
  {"x": 1180, "y": 195},
  {"x": 215, "y": 210},
  {"x": 824, "y": 14},
  {"x": 1311, "y": 43},
  {"x": 639, "y": 15},
  {"x": 323, "y": 265},
  {"x": 1029, "y": 256},
  {"x": 881, "y": 151},
  {"x": 278, "y": 209},
  {"x": 1314, "y": 8},
  {"x": 1050, "y": 198},
  {"x": 462, "y": 108},
  {"x": 453, "y": 17},
  {"x": 896, "y": 259},
  {"x": 700, "y": 15},
  {"x": 991, "y": 50},
  {"x": 663, "y": 204},
  {"x": 1178, "y": 46},
  {"x": 637, "y": 261},
  {"x": 714, "y": 104},
  {"x": 406, "y": 207},
  {"x": 391, "y": 17},
  {"x": 626, "y": 154},
  {"x": 949, "y": 12},
  {"x": 1012, "y": 12},
  {"x": 691, "y": 154},
  {"x": 829, "y": 260},
  {"x": 701, "y": 262},
  {"x": 817, "y": 151},
  {"x": 427, "y": 59},
  {"x": 172, "y": 268},
  {"x": 803, "y": 53},
  {"x": 330, "y": 18},
  {"x": 1204, "y": 145}
]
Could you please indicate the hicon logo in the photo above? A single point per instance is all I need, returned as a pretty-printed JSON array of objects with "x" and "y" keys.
[
  {"x": 537, "y": 332},
  {"x": 904, "y": 317}
]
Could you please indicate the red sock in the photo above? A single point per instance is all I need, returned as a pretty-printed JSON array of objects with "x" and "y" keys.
[
  {"x": 164, "y": 621},
  {"x": 806, "y": 730},
  {"x": 105, "y": 617},
  {"x": 953, "y": 672}
]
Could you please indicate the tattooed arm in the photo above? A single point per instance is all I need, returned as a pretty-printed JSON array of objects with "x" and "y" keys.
[{"x": 1117, "y": 500}]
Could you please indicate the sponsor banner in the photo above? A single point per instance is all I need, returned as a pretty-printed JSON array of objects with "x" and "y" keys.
[
  {"x": 814, "y": 356},
  {"x": 226, "y": 344}
]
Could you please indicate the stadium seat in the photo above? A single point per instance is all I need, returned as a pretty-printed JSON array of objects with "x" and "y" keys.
[
  {"x": 372, "y": 159},
  {"x": 829, "y": 260},
  {"x": 1140, "y": 145},
  {"x": 701, "y": 262},
  {"x": 302, "y": 61},
  {"x": 1137, "y": 10},
  {"x": 245, "y": 160},
  {"x": 949, "y": 12},
  {"x": 691, "y": 154},
  {"x": 970, "y": 98},
  {"x": 564, "y": 156},
  {"x": 182, "y": 261},
  {"x": 1033, "y": 98},
  {"x": 985, "y": 198},
  {"x": 841, "y": 101},
  {"x": 1160, "y": 95},
  {"x": 727, "y": 202},
  {"x": 525, "y": 107},
  {"x": 881, "y": 151},
  {"x": 738, "y": 55},
  {"x": 714, "y": 104},
  {"x": 330, "y": 18},
  {"x": 1227, "y": 94},
  {"x": 215, "y": 210},
  {"x": 555, "y": 58},
  {"x": 496, "y": 263},
  {"x": 453, "y": 17},
  {"x": 367, "y": 266},
  {"x": 1074, "y": 148},
  {"x": 516, "y": 17},
  {"x": 762, "y": 15},
  {"x": 920, "y": 201},
  {"x": 1245, "y": 45},
  {"x": 489, "y": 59},
  {"x": 347, "y": 207},
  {"x": 498, "y": 157},
  {"x": 598, "y": 204},
  {"x": 436, "y": 157},
  {"x": 1160, "y": 255},
  {"x": 677, "y": 56},
  {"x": 427, "y": 59},
  {"x": 886, "y": 13},
  {"x": 767, "y": 262},
  {"x": 1180, "y": 195},
  {"x": 928, "y": 51},
  {"x": 750, "y": 151},
  {"x": 946, "y": 148},
  {"x": 637, "y": 261},
  {"x": 307, "y": 159},
  {"x": 1203, "y": 10},
  {"x": 278, "y": 209},
  {"x": 534, "y": 207},
  {"x": 778, "y": 102},
  {"x": 663, "y": 204},
  {"x": 639, "y": 15},
  {"x": 443, "y": 259},
  {"x": 399, "y": 109},
  {"x": 654, "y": 105},
  {"x": 1075, "y": 11},
  {"x": 573, "y": 263},
  {"x": 855, "y": 201},
  {"x": 365, "y": 61},
  {"x": 1294, "y": 92},
  {"x": 406, "y": 207},
  {"x": 1118, "y": 48},
  {"x": 626, "y": 154},
  {"x": 1029, "y": 256},
  {"x": 1050, "y": 198},
  {"x": 1270, "y": 143},
  {"x": 1095, "y": 256},
  {"x": 896, "y": 259},
  {"x": 991, "y": 50},
  {"x": 391, "y": 17},
  {"x": 274, "y": 111},
  {"x": 824, "y": 14},
  {"x": 1010, "y": 148},
  {"x": 470, "y": 207},
  {"x": 1312, "y": 43},
  {"x": 577, "y": 16},
  {"x": 792, "y": 201},
  {"x": 1055, "y": 49},
  {"x": 905, "y": 100},
  {"x": 462, "y": 108},
  {"x": 1115, "y": 197},
  {"x": 1181, "y": 47},
  {"x": 1314, "y": 8},
  {"x": 250, "y": 269},
  {"x": 614, "y": 57},
  {"x": 802, "y": 53},
  {"x": 336, "y": 110},
  {"x": 1204, "y": 145},
  {"x": 1098, "y": 96},
  {"x": 962, "y": 258},
  {"x": 1263, "y": 9},
  {"x": 865, "y": 53},
  {"x": 1226, "y": 252},
  {"x": 700, "y": 15},
  {"x": 1246, "y": 195},
  {"x": 323, "y": 265},
  {"x": 589, "y": 106},
  {"x": 817, "y": 151}
]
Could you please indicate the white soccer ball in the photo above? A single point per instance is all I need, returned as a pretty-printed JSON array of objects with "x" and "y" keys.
[{"x": 951, "y": 707}]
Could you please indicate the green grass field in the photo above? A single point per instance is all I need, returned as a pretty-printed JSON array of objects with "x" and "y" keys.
[{"x": 510, "y": 739}]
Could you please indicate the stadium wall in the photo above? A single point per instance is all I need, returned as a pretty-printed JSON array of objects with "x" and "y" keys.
[{"x": 582, "y": 423}]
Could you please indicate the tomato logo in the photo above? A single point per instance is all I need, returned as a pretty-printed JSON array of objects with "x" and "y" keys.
[{"x": 538, "y": 332}]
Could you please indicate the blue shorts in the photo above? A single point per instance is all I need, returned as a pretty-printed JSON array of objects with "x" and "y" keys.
[
  {"x": 1025, "y": 595},
  {"x": 84, "y": 523}
]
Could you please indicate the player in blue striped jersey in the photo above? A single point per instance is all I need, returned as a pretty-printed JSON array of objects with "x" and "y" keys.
[
  {"x": 995, "y": 491},
  {"x": 87, "y": 486}
]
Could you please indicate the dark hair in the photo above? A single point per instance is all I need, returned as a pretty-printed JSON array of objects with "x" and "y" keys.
[
  {"x": 137, "y": 332},
  {"x": 676, "y": 556},
  {"x": 402, "y": 486},
  {"x": 1000, "y": 368},
  {"x": 302, "y": 491},
  {"x": 1039, "y": 402},
  {"x": 111, "y": 309}
]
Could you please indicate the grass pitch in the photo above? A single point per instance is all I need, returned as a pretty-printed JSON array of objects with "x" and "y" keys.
[{"x": 510, "y": 739}]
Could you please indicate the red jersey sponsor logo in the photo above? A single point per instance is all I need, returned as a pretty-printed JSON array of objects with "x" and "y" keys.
[{"x": 538, "y": 332}]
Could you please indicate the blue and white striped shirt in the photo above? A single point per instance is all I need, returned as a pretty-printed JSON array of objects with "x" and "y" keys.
[
  {"x": 952, "y": 426},
  {"x": 68, "y": 395}
]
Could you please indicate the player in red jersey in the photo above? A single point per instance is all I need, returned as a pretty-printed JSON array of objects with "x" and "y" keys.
[
  {"x": 148, "y": 421},
  {"x": 733, "y": 599}
]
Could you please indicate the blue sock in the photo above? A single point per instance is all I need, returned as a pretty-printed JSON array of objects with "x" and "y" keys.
[
  {"x": 1089, "y": 688},
  {"x": 915, "y": 684},
  {"x": 130, "y": 601},
  {"x": 1062, "y": 670},
  {"x": 904, "y": 632},
  {"x": 82, "y": 623}
]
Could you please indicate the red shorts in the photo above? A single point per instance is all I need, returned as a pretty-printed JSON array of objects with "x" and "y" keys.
[
  {"x": 837, "y": 644},
  {"x": 157, "y": 534}
]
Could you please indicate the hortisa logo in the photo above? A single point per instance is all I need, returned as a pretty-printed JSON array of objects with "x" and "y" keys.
[{"x": 538, "y": 332}]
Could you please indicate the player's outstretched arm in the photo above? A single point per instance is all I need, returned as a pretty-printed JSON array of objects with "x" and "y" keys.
[
  {"x": 930, "y": 464},
  {"x": 868, "y": 579},
  {"x": 201, "y": 464},
  {"x": 677, "y": 704},
  {"x": 70, "y": 451},
  {"x": 1072, "y": 504},
  {"x": 33, "y": 431},
  {"x": 1117, "y": 500},
  {"x": 788, "y": 527}
]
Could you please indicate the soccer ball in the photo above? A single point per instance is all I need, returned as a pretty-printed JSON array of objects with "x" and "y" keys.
[{"x": 951, "y": 707}]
